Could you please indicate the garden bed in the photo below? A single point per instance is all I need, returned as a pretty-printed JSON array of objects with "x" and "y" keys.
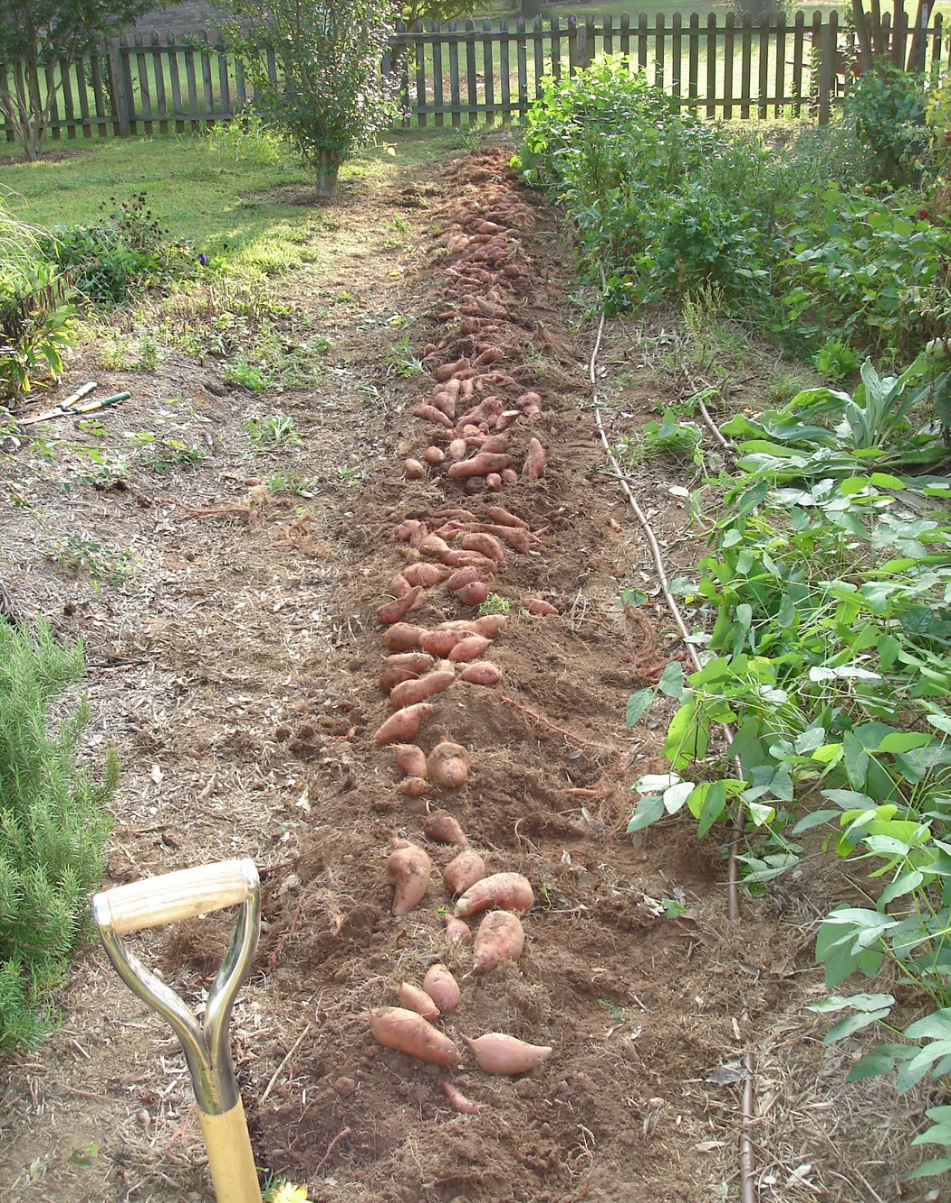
[{"x": 233, "y": 663}]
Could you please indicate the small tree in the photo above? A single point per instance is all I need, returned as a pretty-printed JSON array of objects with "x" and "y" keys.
[
  {"x": 33, "y": 35},
  {"x": 329, "y": 95}
]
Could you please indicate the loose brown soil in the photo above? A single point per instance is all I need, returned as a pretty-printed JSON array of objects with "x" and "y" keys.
[{"x": 236, "y": 674}]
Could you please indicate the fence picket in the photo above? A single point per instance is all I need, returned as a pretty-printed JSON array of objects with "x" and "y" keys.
[{"x": 176, "y": 84}]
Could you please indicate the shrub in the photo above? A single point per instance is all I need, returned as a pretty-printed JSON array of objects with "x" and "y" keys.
[
  {"x": 53, "y": 826},
  {"x": 887, "y": 107},
  {"x": 121, "y": 256}
]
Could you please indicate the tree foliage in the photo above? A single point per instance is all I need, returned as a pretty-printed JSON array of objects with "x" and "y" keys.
[
  {"x": 33, "y": 35},
  {"x": 329, "y": 95}
]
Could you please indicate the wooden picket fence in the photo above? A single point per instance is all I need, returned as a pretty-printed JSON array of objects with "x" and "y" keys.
[{"x": 466, "y": 73}]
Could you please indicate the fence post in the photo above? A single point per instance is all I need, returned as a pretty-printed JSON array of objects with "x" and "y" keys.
[
  {"x": 120, "y": 102},
  {"x": 826, "y": 67}
]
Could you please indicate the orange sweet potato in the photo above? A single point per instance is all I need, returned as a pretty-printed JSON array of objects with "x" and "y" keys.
[
  {"x": 538, "y": 605},
  {"x": 500, "y": 938},
  {"x": 432, "y": 414},
  {"x": 424, "y": 574},
  {"x": 493, "y": 481},
  {"x": 473, "y": 594},
  {"x": 396, "y": 1027},
  {"x": 459, "y": 1102},
  {"x": 470, "y": 648},
  {"x": 404, "y": 666},
  {"x": 407, "y": 528},
  {"x": 489, "y": 625},
  {"x": 448, "y": 764},
  {"x": 457, "y": 931},
  {"x": 479, "y": 465},
  {"x": 446, "y": 370},
  {"x": 411, "y": 759},
  {"x": 413, "y": 787},
  {"x": 391, "y": 612},
  {"x": 402, "y": 636},
  {"x": 408, "y": 868},
  {"x": 434, "y": 455},
  {"x": 420, "y": 1001},
  {"x": 432, "y": 545},
  {"x": 463, "y": 871},
  {"x": 504, "y": 518},
  {"x": 408, "y": 693},
  {"x": 470, "y": 559},
  {"x": 440, "y": 642},
  {"x": 485, "y": 545},
  {"x": 442, "y": 988},
  {"x": 444, "y": 829},
  {"x": 534, "y": 466},
  {"x": 457, "y": 449},
  {"x": 482, "y": 673},
  {"x": 500, "y": 892},
  {"x": 497, "y": 1053},
  {"x": 509, "y": 476},
  {"x": 463, "y": 576},
  {"x": 413, "y": 469},
  {"x": 401, "y": 728}
]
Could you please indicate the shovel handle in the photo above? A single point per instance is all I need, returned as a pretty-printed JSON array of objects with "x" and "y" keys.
[{"x": 175, "y": 896}]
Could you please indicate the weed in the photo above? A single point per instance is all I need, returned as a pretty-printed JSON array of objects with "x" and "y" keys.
[
  {"x": 668, "y": 438},
  {"x": 835, "y": 360},
  {"x": 170, "y": 454},
  {"x": 274, "y": 430},
  {"x": 292, "y": 482},
  {"x": 616, "y": 1013},
  {"x": 401, "y": 360},
  {"x": 248, "y": 376},
  {"x": 494, "y": 604},
  {"x": 101, "y": 561},
  {"x": 137, "y": 352}
]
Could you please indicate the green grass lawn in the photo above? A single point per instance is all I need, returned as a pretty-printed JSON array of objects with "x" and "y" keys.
[{"x": 225, "y": 204}]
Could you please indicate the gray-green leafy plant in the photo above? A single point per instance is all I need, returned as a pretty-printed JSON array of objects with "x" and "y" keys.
[
  {"x": 328, "y": 94},
  {"x": 53, "y": 826}
]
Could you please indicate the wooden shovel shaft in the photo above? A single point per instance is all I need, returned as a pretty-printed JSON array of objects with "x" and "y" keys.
[
  {"x": 175, "y": 896},
  {"x": 230, "y": 1158}
]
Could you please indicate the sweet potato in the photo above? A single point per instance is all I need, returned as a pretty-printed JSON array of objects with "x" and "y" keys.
[
  {"x": 459, "y": 1102},
  {"x": 456, "y": 511},
  {"x": 432, "y": 545},
  {"x": 457, "y": 931},
  {"x": 418, "y": 535},
  {"x": 448, "y": 764},
  {"x": 457, "y": 449},
  {"x": 463, "y": 871},
  {"x": 396, "y": 1027},
  {"x": 473, "y": 594},
  {"x": 534, "y": 466},
  {"x": 401, "y": 728},
  {"x": 413, "y": 787},
  {"x": 501, "y": 892},
  {"x": 434, "y": 455},
  {"x": 425, "y": 575},
  {"x": 407, "y": 529},
  {"x": 408, "y": 693},
  {"x": 413, "y": 469},
  {"x": 391, "y": 612},
  {"x": 420, "y": 1001},
  {"x": 463, "y": 576},
  {"x": 519, "y": 540},
  {"x": 500, "y": 938},
  {"x": 470, "y": 648},
  {"x": 442, "y": 988},
  {"x": 479, "y": 465},
  {"x": 399, "y": 585},
  {"x": 504, "y": 518},
  {"x": 404, "y": 666},
  {"x": 446, "y": 370},
  {"x": 497, "y": 1053},
  {"x": 444, "y": 828},
  {"x": 431, "y": 414},
  {"x": 538, "y": 605},
  {"x": 411, "y": 759},
  {"x": 485, "y": 545},
  {"x": 408, "y": 868},
  {"x": 482, "y": 673},
  {"x": 493, "y": 481},
  {"x": 489, "y": 625},
  {"x": 402, "y": 636},
  {"x": 509, "y": 476},
  {"x": 439, "y": 643},
  {"x": 469, "y": 559}
]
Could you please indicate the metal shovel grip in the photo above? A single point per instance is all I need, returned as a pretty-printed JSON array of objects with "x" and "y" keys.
[{"x": 175, "y": 896}]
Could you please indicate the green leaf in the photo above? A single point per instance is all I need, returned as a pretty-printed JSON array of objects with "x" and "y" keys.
[
  {"x": 649, "y": 810},
  {"x": 901, "y": 741},
  {"x": 858, "y": 1002},
  {"x": 936, "y": 1026},
  {"x": 852, "y": 1024},
  {"x": 638, "y": 703},
  {"x": 938, "y": 1166},
  {"x": 671, "y": 682},
  {"x": 816, "y": 819}
]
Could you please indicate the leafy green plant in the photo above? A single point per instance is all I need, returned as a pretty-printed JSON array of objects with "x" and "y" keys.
[
  {"x": 494, "y": 604},
  {"x": 836, "y": 360},
  {"x": 274, "y": 430},
  {"x": 887, "y": 107},
  {"x": 669, "y": 438},
  {"x": 101, "y": 561},
  {"x": 328, "y": 95},
  {"x": 53, "y": 826},
  {"x": 401, "y": 360},
  {"x": 121, "y": 256}
]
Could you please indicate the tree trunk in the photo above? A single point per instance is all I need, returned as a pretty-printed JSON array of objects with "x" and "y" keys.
[{"x": 328, "y": 163}]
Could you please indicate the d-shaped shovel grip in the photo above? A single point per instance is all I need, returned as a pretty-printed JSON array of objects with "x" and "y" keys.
[{"x": 167, "y": 899}]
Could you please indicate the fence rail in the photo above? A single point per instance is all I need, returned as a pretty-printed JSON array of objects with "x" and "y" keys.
[{"x": 468, "y": 72}]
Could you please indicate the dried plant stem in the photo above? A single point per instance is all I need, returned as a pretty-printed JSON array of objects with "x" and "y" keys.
[
  {"x": 277, "y": 1073},
  {"x": 551, "y": 726}
]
